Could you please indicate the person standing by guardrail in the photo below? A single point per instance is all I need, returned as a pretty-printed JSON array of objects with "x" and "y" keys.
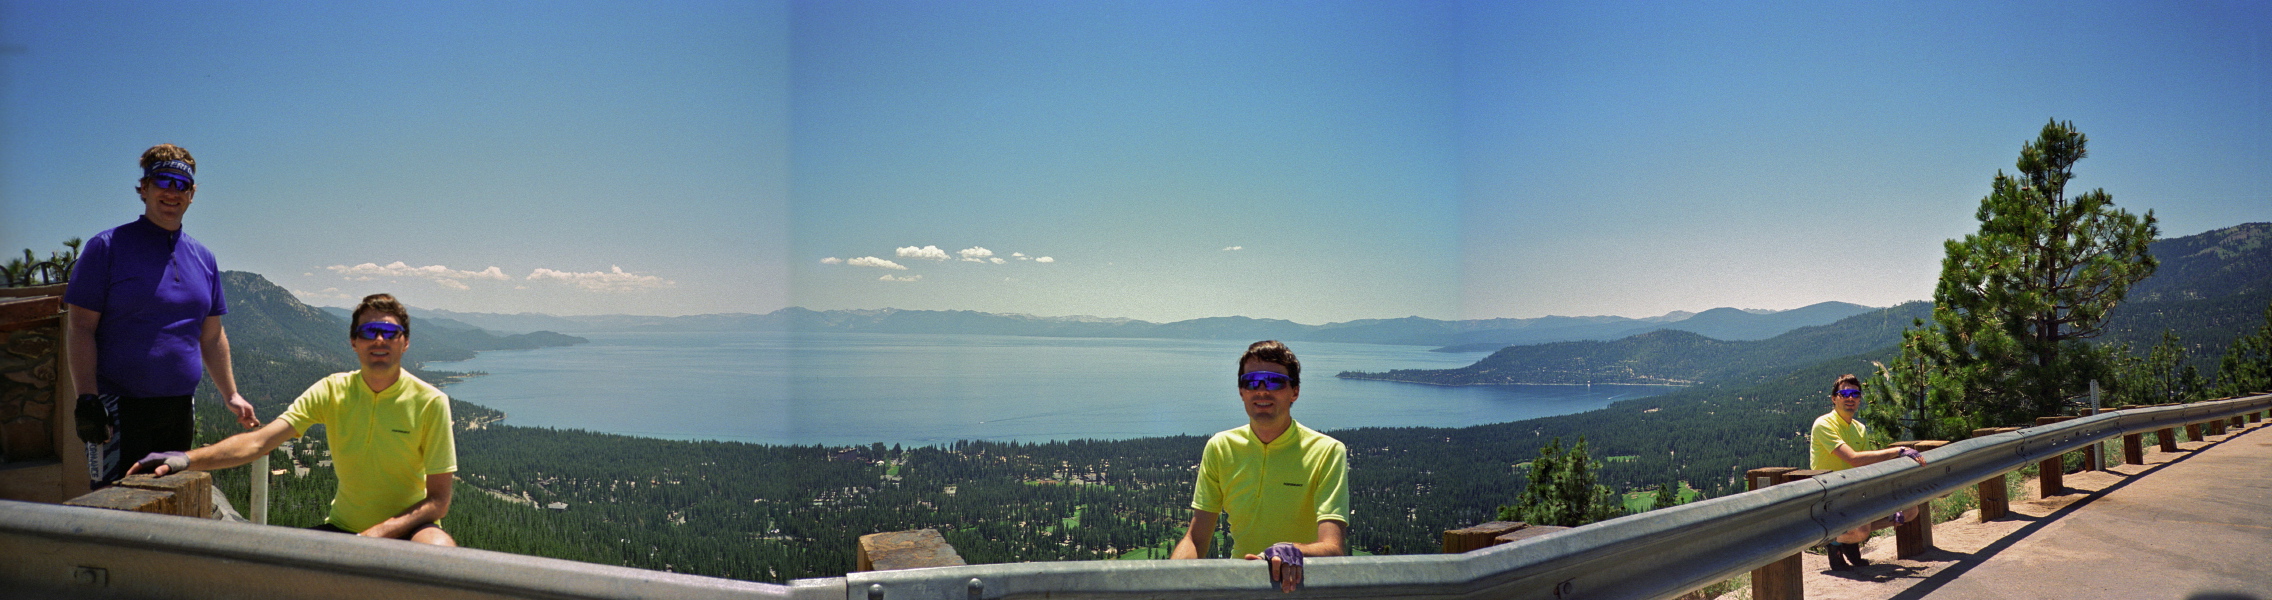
[
  {"x": 1285, "y": 486},
  {"x": 1838, "y": 442},
  {"x": 146, "y": 306},
  {"x": 390, "y": 435}
]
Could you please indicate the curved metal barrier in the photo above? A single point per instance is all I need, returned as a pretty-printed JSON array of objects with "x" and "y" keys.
[{"x": 1658, "y": 554}]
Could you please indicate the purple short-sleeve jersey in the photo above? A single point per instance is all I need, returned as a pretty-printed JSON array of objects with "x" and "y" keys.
[{"x": 154, "y": 289}]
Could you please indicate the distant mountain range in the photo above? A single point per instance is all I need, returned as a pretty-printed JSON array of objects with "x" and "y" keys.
[
  {"x": 1480, "y": 335},
  {"x": 268, "y": 321},
  {"x": 2208, "y": 288}
]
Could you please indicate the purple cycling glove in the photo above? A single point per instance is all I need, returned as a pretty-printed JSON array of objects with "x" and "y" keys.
[
  {"x": 1288, "y": 556},
  {"x": 175, "y": 462}
]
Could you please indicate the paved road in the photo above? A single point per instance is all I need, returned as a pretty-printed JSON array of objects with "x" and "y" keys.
[{"x": 2193, "y": 525}]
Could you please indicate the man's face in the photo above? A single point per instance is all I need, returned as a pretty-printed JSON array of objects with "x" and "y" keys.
[
  {"x": 163, "y": 205},
  {"x": 379, "y": 354},
  {"x": 1844, "y": 402},
  {"x": 1267, "y": 405}
]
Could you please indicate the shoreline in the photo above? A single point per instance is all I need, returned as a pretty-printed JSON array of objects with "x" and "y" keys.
[{"x": 1677, "y": 385}]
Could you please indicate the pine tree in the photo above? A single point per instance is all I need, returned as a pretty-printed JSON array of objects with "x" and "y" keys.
[
  {"x": 2247, "y": 366},
  {"x": 1562, "y": 490},
  {"x": 1667, "y": 497},
  {"x": 2017, "y": 301},
  {"x": 2161, "y": 377}
]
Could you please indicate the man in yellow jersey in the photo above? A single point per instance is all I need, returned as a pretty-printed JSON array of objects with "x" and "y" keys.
[
  {"x": 1838, "y": 445},
  {"x": 1285, "y": 486},
  {"x": 389, "y": 431}
]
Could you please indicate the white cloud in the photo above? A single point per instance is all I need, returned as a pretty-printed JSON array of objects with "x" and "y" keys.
[
  {"x": 832, "y": 261},
  {"x": 1045, "y": 259},
  {"x": 870, "y": 261},
  {"x": 398, "y": 269},
  {"x": 613, "y": 280},
  {"x": 440, "y": 275},
  {"x": 1234, "y": 248},
  {"x": 1017, "y": 255},
  {"x": 907, "y": 278},
  {"x": 975, "y": 252},
  {"x": 997, "y": 260},
  {"x": 926, "y": 253}
]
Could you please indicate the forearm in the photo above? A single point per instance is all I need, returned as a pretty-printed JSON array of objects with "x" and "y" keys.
[
  {"x": 215, "y": 351},
  {"x": 236, "y": 450},
  {"x": 425, "y": 511},
  {"x": 82, "y": 358},
  {"x": 1322, "y": 548}
]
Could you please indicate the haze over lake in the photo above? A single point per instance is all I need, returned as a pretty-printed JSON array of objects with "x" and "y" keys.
[{"x": 855, "y": 388}]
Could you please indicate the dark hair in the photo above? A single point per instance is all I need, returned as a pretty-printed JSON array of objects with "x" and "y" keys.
[
  {"x": 382, "y": 304},
  {"x": 1271, "y": 351},
  {"x": 165, "y": 152},
  {"x": 1846, "y": 380}
]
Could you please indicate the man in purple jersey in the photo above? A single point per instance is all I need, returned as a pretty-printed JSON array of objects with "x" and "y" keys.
[{"x": 145, "y": 318}]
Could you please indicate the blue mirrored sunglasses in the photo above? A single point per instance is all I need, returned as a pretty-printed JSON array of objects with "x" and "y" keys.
[
  {"x": 170, "y": 181},
  {"x": 376, "y": 330},
  {"x": 1849, "y": 393},
  {"x": 1264, "y": 380}
]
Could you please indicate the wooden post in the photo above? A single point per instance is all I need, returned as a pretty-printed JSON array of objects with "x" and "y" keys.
[
  {"x": 2193, "y": 432},
  {"x": 2239, "y": 421},
  {"x": 1916, "y": 536},
  {"x": 1782, "y": 579},
  {"x": 2052, "y": 472},
  {"x": 1478, "y": 537},
  {"x": 2168, "y": 438},
  {"x": 192, "y": 491},
  {"x": 2216, "y": 427},
  {"x": 185, "y": 494},
  {"x": 906, "y": 550},
  {"x": 2134, "y": 449},
  {"x": 1525, "y": 533},
  {"x": 1994, "y": 502}
]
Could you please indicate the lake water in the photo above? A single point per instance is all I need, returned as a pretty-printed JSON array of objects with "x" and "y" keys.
[{"x": 920, "y": 390}]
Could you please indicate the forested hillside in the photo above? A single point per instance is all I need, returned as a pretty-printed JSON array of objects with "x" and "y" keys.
[{"x": 1667, "y": 356}]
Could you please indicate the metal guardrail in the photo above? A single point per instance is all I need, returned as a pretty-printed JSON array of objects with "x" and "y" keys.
[{"x": 1658, "y": 554}]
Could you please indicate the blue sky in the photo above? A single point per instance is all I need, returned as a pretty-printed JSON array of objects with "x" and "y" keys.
[{"x": 1312, "y": 161}]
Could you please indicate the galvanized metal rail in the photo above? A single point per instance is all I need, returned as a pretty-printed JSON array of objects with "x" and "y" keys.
[{"x": 70, "y": 552}]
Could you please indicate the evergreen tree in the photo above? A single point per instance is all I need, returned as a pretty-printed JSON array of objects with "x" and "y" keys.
[
  {"x": 1562, "y": 490},
  {"x": 2161, "y": 377},
  {"x": 2247, "y": 367},
  {"x": 1668, "y": 496},
  {"x": 2017, "y": 300}
]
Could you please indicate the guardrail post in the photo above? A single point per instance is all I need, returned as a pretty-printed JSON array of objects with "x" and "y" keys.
[
  {"x": 2134, "y": 449},
  {"x": 1782, "y": 579},
  {"x": 2052, "y": 472},
  {"x": 905, "y": 550},
  {"x": 1994, "y": 501},
  {"x": 2193, "y": 432},
  {"x": 1916, "y": 536},
  {"x": 2216, "y": 427},
  {"x": 1478, "y": 537}
]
